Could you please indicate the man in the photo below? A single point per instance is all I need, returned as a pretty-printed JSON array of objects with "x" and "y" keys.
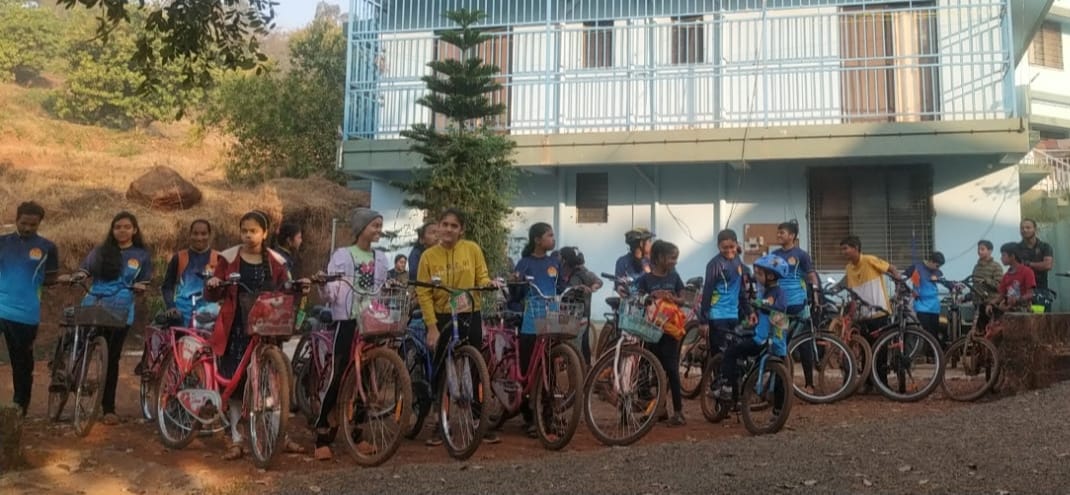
[
  {"x": 986, "y": 273},
  {"x": 1037, "y": 255},
  {"x": 865, "y": 275},
  {"x": 426, "y": 236},
  {"x": 27, "y": 261}
]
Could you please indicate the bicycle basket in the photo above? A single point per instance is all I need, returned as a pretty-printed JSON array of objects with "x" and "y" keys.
[
  {"x": 559, "y": 319},
  {"x": 272, "y": 315},
  {"x": 94, "y": 316},
  {"x": 691, "y": 296},
  {"x": 632, "y": 320},
  {"x": 385, "y": 314}
]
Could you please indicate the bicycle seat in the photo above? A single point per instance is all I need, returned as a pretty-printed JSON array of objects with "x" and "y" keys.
[
  {"x": 694, "y": 282},
  {"x": 613, "y": 302}
]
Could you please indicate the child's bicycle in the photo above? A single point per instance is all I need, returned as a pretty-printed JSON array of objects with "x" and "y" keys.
[
  {"x": 375, "y": 392},
  {"x": 626, "y": 386},
  {"x": 79, "y": 362},
  {"x": 554, "y": 374},
  {"x": 193, "y": 394},
  {"x": 462, "y": 382},
  {"x": 764, "y": 386}
]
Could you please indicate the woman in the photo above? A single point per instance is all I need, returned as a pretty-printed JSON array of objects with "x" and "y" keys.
[
  {"x": 185, "y": 273},
  {"x": 120, "y": 268},
  {"x": 288, "y": 243},
  {"x": 261, "y": 269},
  {"x": 365, "y": 268},
  {"x": 543, "y": 269}
]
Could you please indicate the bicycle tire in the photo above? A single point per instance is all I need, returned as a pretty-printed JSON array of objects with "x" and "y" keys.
[
  {"x": 989, "y": 362},
  {"x": 460, "y": 448},
  {"x": 148, "y": 389},
  {"x": 632, "y": 358},
  {"x": 713, "y": 410},
  {"x": 87, "y": 413},
  {"x": 778, "y": 374},
  {"x": 169, "y": 411},
  {"x": 834, "y": 350},
  {"x": 563, "y": 431},
  {"x": 693, "y": 352},
  {"x": 302, "y": 377},
  {"x": 58, "y": 393},
  {"x": 902, "y": 364},
  {"x": 423, "y": 399},
  {"x": 378, "y": 405},
  {"x": 863, "y": 356},
  {"x": 268, "y": 405},
  {"x": 498, "y": 409},
  {"x": 606, "y": 338}
]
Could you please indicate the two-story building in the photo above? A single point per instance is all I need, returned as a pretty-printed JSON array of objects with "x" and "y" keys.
[{"x": 900, "y": 122}]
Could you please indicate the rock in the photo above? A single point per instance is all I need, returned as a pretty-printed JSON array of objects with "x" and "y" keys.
[
  {"x": 162, "y": 188},
  {"x": 11, "y": 454},
  {"x": 810, "y": 482}
]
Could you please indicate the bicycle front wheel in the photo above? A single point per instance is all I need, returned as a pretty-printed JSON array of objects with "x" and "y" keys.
[
  {"x": 59, "y": 387},
  {"x": 764, "y": 387},
  {"x": 267, "y": 398},
  {"x": 148, "y": 390},
  {"x": 907, "y": 364},
  {"x": 693, "y": 353},
  {"x": 462, "y": 416},
  {"x": 90, "y": 388},
  {"x": 303, "y": 389},
  {"x": 713, "y": 410},
  {"x": 606, "y": 338},
  {"x": 623, "y": 394},
  {"x": 176, "y": 425},
  {"x": 822, "y": 368},
  {"x": 376, "y": 411},
  {"x": 971, "y": 368},
  {"x": 557, "y": 408}
]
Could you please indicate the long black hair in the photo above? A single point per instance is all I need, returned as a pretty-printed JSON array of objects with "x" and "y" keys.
[
  {"x": 287, "y": 231},
  {"x": 661, "y": 249},
  {"x": 109, "y": 262},
  {"x": 534, "y": 233}
]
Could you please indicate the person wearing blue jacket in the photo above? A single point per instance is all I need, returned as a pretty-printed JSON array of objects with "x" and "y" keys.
[
  {"x": 544, "y": 271},
  {"x": 800, "y": 272},
  {"x": 637, "y": 262},
  {"x": 925, "y": 276},
  {"x": 722, "y": 291}
]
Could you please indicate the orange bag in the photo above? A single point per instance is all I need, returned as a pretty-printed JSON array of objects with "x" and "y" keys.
[{"x": 668, "y": 316}]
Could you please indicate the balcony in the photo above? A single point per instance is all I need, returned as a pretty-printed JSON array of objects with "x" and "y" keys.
[{"x": 571, "y": 67}]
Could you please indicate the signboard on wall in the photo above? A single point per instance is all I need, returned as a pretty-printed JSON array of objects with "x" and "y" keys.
[{"x": 758, "y": 239}]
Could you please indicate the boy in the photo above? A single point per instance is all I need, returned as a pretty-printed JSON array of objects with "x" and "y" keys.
[
  {"x": 722, "y": 291},
  {"x": 986, "y": 273},
  {"x": 1015, "y": 290},
  {"x": 924, "y": 276}
]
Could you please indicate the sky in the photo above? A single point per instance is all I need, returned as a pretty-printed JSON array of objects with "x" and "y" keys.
[{"x": 293, "y": 14}]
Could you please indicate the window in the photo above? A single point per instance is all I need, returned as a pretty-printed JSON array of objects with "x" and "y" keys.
[
  {"x": 688, "y": 40},
  {"x": 889, "y": 208},
  {"x": 598, "y": 44},
  {"x": 592, "y": 198},
  {"x": 1047, "y": 47}
]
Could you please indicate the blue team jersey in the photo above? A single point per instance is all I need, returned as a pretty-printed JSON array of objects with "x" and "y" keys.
[
  {"x": 24, "y": 262},
  {"x": 925, "y": 280},
  {"x": 721, "y": 289},
  {"x": 773, "y": 320},
  {"x": 179, "y": 288},
  {"x": 545, "y": 271},
  {"x": 799, "y": 267},
  {"x": 116, "y": 294}
]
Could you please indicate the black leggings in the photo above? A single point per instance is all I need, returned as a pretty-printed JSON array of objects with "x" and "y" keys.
[
  {"x": 116, "y": 337},
  {"x": 344, "y": 333},
  {"x": 667, "y": 351}
]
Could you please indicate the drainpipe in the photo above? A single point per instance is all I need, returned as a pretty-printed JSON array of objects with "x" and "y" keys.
[
  {"x": 559, "y": 211},
  {"x": 655, "y": 190}
]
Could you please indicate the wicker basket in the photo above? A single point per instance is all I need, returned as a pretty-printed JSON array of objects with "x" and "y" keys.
[{"x": 633, "y": 322}]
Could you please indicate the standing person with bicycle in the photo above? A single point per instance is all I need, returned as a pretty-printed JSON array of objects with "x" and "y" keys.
[
  {"x": 637, "y": 262},
  {"x": 120, "y": 268},
  {"x": 794, "y": 284},
  {"x": 426, "y": 236},
  {"x": 864, "y": 274},
  {"x": 288, "y": 243},
  {"x": 663, "y": 285},
  {"x": 723, "y": 297},
  {"x": 261, "y": 269},
  {"x": 986, "y": 273},
  {"x": 1036, "y": 255},
  {"x": 366, "y": 270},
  {"x": 457, "y": 263},
  {"x": 1015, "y": 291},
  {"x": 924, "y": 276},
  {"x": 185, "y": 273},
  {"x": 544, "y": 270},
  {"x": 27, "y": 262},
  {"x": 574, "y": 273}
]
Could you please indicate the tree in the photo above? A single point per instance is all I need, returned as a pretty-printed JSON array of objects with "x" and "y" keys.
[
  {"x": 30, "y": 38},
  {"x": 286, "y": 124},
  {"x": 466, "y": 165}
]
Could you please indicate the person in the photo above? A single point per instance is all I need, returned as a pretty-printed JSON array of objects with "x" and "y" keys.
[
  {"x": 986, "y": 274},
  {"x": 458, "y": 263},
  {"x": 722, "y": 292},
  {"x": 262, "y": 269},
  {"x": 574, "y": 273},
  {"x": 794, "y": 285},
  {"x": 364, "y": 268},
  {"x": 399, "y": 273},
  {"x": 637, "y": 261},
  {"x": 663, "y": 286},
  {"x": 1015, "y": 291},
  {"x": 426, "y": 236},
  {"x": 925, "y": 276},
  {"x": 771, "y": 323},
  {"x": 864, "y": 274},
  {"x": 1038, "y": 256},
  {"x": 186, "y": 272},
  {"x": 27, "y": 262},
  {"x": 288, "y": 244},
  {"x": 544, "y": 271},
  {"x": 120, "y": 268}
]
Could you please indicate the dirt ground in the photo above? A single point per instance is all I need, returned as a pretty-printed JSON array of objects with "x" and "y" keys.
[{"x": 129, "y": 458}]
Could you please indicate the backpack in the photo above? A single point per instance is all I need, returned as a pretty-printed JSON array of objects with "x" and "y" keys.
[{"x": 183, "y": 261}]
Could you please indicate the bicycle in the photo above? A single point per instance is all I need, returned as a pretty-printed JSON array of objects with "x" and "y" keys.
[
  {"x": 970, "y": 357},
  {"x": 79, "y": 362},
  {"x": 810, "y": 350},
  {"x": 845, "y": 326},
  {"x": 610, "y": 333},
  {"x": 157, "y": 346},
  {"x": 761, "y": 387},
  {"x": 557, "y": 322},
  {"x": 628, "y": 379},
  {"x": 459, "y": 398},
  {"x": 898, "y": 350},
  {"x": 193, "y": 393},
  {"x": 375, "y": 392},
  {"x": 694, "y": 347}
]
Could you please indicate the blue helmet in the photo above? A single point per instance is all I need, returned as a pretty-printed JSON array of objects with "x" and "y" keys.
[{"x": 773, "y": 264}]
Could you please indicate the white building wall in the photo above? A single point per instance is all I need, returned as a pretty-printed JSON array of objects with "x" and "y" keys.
[
  {"x": 970, "y": 209},
  {"x": 1049, "y": 80}
]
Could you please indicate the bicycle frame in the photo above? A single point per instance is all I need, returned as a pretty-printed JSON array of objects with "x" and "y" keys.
[
  {"x": 213, "y": 381},
  {"x": 523, "y": 377}
]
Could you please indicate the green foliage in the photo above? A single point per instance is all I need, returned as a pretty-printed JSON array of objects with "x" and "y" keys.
[
  {"x": 467, "y": 165},
  {"x": 30, "y": 38},
  {"x": 285, "y": 125}
]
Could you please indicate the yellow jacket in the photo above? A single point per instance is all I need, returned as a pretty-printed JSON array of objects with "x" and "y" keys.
[{"x": 462, "y": 267}]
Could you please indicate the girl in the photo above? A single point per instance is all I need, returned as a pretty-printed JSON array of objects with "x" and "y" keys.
[
  {"x": 261, "y": 269},
  {"x": 574, "y": 273},
  {"x": 535, "y": 262},
  {"x": 800, "y": 271},
  {"x": 185, "y": 272},
  {"x": 365, "y": 268},
  {"x": 722, "y": 291},
  {"x": 663, "y": 285},
  {"x": 288, "y": 243},
  {"x": 120, "y": 267}
]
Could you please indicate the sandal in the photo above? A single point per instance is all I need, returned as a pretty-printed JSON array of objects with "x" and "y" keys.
[
  {"x": 292, "y": 447},
  {"x": 323, "y": 453},
  {"x": 234, "y": 451}
]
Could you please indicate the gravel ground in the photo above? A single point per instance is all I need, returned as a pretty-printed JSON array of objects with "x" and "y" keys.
[{"x": 1016, "y": 445}]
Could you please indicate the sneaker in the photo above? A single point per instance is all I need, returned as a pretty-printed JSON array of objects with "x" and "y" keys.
[
  {"x": 677, "y": 419},
  {"x": 531, "y": 430},
  {"x": 491, "y": 438},
  {"x": 436, "y": 438}
]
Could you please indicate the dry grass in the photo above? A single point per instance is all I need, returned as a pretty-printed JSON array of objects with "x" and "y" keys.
[{"x": 80, "y": 174}]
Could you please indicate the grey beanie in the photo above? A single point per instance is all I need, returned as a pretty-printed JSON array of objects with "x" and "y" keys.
[{"x": 359, "y": 219}]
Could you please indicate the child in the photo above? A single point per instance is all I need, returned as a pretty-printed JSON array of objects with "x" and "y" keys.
[
  {"x": 986, "y": 273},
  {"x": 574, "y": 273},
  {"x": 800, "y": 271},
  {"x": 1015, "y": 290},
  {"x": 288, "y": 243},
  {"x": 543, "y": 269},
  {"x": 186, "y": 271},
  {"x": 771, "y": 323},
  {"x": 663, "y": 285},
  {"x": 924, "y": 276},
  {"x": 722, "y": 291}
]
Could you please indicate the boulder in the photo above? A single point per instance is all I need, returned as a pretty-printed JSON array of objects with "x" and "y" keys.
[
  {"x": 164, "y": 189},
  {"x": 10, "y": 438}
]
